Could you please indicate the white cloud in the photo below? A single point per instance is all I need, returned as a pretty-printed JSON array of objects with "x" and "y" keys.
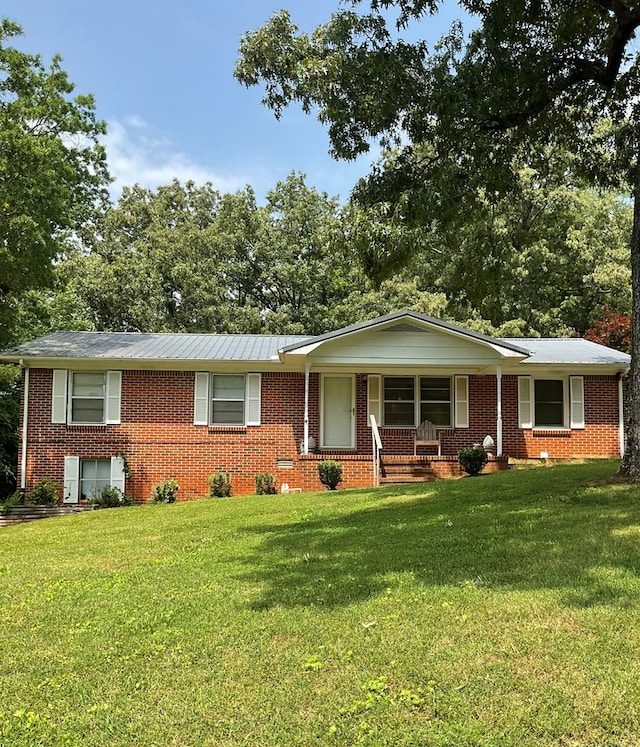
[{"x": 138, "y": 156}]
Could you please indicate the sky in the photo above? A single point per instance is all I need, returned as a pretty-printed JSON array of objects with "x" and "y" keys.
[{"x": 161, "y": 72}]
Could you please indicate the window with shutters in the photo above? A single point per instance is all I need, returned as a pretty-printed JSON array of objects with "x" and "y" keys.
[
  {"x": 551, "y": 403},
  {"x": 227, "y": 399},
  {"x": 86, "y": 397}
]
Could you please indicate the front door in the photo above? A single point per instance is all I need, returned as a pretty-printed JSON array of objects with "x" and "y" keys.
[{"x": 338, "y": 421}]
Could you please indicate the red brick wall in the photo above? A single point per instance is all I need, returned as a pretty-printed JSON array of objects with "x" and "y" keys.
[{"x": 159, "y": 440}]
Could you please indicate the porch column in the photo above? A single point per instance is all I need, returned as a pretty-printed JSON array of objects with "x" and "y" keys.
[
  {"x": 307, "y": 366},
  {"x": 499, "y": 410}
]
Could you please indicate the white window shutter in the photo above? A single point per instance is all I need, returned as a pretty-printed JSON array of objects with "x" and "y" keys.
[
  {"x": 113, "y": 398},
  {"x": 461, "y": 385},
  {"x": 253, "y": 404},
  {"x": 117, "y": 476},
  {"x": 374, "y": 397},
  {"x": 71, "y": 489},
  {"x": 201, "y": 399},
  {"x": 576, "y": 387},
  {"x": 59, "y": 396},
  {"x": 525, "y": 405}
]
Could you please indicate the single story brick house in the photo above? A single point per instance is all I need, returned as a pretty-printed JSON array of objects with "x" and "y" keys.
[{"x": 403, "y": 390}]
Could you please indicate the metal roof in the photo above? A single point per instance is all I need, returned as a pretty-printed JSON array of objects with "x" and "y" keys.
[
  {"x": 571, "y": 350},
  {"x": 157, "y": 346}
]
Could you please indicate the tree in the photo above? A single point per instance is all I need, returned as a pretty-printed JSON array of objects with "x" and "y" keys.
[
  {"x": 52, "y": 169},
  {"x": 531, "y": 74}
]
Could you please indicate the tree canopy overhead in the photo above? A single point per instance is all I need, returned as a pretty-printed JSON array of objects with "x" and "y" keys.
[
  {"x": 463, "y": 116},
  {"x": 52, "y": 167}
]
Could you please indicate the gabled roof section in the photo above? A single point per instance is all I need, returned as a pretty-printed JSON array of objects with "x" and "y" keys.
[
  {"x": 505, "y": 348},
  {"x": 157, "y": 347}
]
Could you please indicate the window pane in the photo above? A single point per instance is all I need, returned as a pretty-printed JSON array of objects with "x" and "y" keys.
[
  {"x": 398, "y": 388},
  {"x": 399, "y": 413},
  {"x": 88, "y": 384},
  {"x": 435, "y": 389},
  {"x": 227, "y": 386},
  {"x": 438, "y": 413},
  {"x": 94, "y": 475},
  {"x": 88, "y": 469},
  {"x": 549, "y": 402},
  {"x": 227, "y": 413},
  {"x": 87, "y": 411}
]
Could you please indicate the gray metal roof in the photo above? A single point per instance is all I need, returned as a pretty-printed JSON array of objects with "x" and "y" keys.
[
  {"x": 571, "y": 350},
  {"x": 146, "y": 346}
]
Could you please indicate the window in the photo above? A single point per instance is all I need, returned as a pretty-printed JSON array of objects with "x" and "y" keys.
[
  {"x": 86, "y": 397},
  {"x": 433, "y": 397},
  {"x": 551, "y": 403},
  {"x": 227, "y": 399},
  {"x": 85, "y": 478},
  {"x": 94, "y": 475},
  {"x": 435, "y": 400}
]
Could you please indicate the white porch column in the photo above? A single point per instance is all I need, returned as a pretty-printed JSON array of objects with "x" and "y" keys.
[
  {"x": 307, "y": 366},
  {"x": 499, "y": 410},
  {"x": 621, "y": 415},
  {"x": 25, "y": 423}
]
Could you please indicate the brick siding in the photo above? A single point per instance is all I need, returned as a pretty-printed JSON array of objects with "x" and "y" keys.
[{"x": 159, "y": 440}]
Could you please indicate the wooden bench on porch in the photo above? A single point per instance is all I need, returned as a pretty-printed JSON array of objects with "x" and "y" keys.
[{"x": 426, "y": 435}]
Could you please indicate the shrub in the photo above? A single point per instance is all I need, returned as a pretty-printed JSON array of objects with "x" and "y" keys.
[
  {"x": 45, "y": 493},
  {"x": 219, "y": 485},
  {"x": 472, "y": 459},
  {"x": 266, "y": 484},
  {"x": 165, "y": 492},
  {"x": 110, "y": 497},
  {"x": 330, "y": 473}
]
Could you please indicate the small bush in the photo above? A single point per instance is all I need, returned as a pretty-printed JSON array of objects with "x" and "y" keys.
[
  {"x": 15, "y": 499},
  {"x": 219, "y": 485},
  {"x": 330, "y": 473},
  {"x": 266, "y": 484},
  {"x": 45, "y": 493},
  {"x": 472, "y": 459},
  {"x": 110, "y": 497},
  {"x": 165, "y": 492}
]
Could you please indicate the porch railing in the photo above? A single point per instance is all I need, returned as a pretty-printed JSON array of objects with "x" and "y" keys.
[{"x": 377, "y": 448}]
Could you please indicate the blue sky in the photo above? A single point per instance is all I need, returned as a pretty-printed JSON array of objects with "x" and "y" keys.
[{"x": 162, "y": 75}]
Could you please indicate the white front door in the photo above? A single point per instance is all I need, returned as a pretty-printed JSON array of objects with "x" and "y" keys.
[{"x": 338, "y": 412}]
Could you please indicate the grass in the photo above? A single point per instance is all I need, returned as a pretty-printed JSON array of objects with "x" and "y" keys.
[{"x": 502, "y": 610}]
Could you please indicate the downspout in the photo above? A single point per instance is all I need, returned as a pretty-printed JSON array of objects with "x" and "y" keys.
[
  {"x": 307, "y": 366},
  {"x": 499, "y": 410},
  {"x": 25, "y": 422},
  {"x": 621, "y": 414}
]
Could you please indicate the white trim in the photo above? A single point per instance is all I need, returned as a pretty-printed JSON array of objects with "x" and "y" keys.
[
  {"x": 71, "y": 491},
  {"x": 253, "y": 398},
  {"x": 576, "y": 403},
  {"x": 621, "y": 433},
  {"x": 117, "y": 473},
  {"x": 25, "y": 423},
  {"x": 112, "y": 397},
  {"x": 305, "y": 445},
  {"x": 201, "y": 398},
  {"x": 59, "y": 388},
  {"x": 525, "y": 402},
  {"x": 374, "y": 403},
  {"x": 461, "y": 401},
  {"x": 499, "y": 411}
]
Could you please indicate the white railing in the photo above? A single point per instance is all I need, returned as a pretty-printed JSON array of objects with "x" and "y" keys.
[{"x": 377, "y": 448}]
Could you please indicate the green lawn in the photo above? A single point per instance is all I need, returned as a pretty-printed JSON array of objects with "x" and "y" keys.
[{"x": 501, "y": 610}]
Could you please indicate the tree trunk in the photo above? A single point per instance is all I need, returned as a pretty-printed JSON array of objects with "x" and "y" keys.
[{"x": 630, "y": 466}]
